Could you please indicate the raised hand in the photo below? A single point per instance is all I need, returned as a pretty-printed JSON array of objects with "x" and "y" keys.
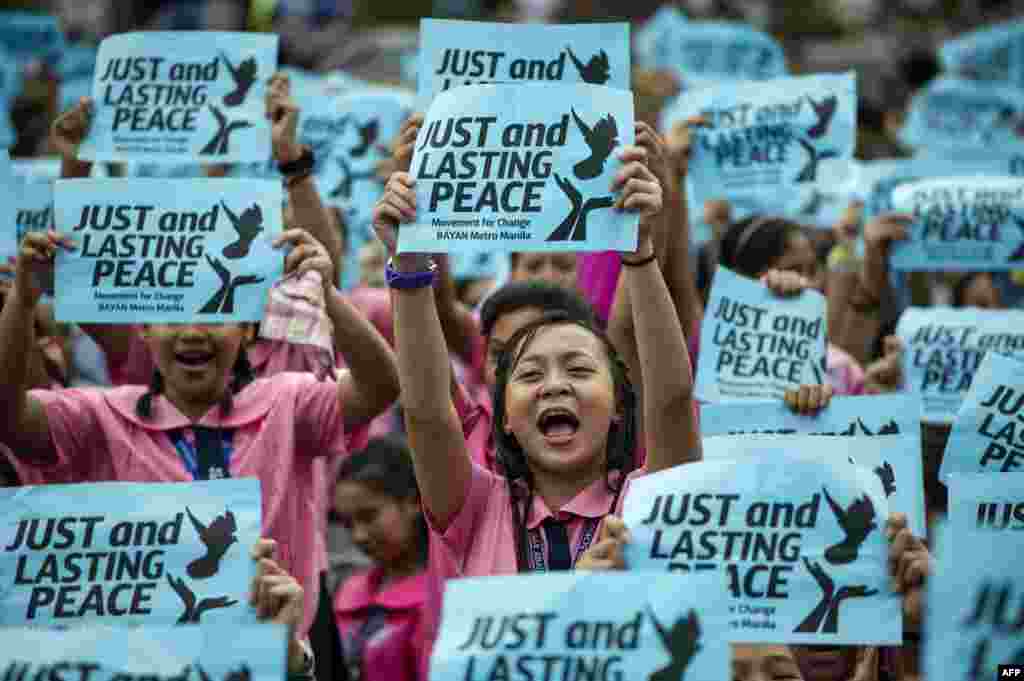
[
  {"x": 910, "y": 564},
  {"x": 680, "y": 144},
  {"x": 283, "y": 114},
  {"x": 395, "y": 206},
  {"x": 71, "y": 127},
  {"x": 786, "y": 284},
  {"x": 404, "y": 145},
  {"x": 607, "y": 552},
  {"x": 35, "y": 265},
  {"x": 307, "y": 255}
]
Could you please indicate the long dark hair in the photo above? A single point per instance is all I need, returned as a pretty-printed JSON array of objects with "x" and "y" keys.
[
  {"x": 242, "y": 376},
  {"x": 385, "y": 466},
  {"x": 620, "y": 451}
]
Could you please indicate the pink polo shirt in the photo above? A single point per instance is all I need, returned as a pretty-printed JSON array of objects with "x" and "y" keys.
[
  {"x": 282, "y": 426},
  {"x": 480, "y": 540},
  {"x": 392, "y": 651}
]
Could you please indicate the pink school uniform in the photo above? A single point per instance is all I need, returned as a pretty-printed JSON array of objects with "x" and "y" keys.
[
  {"x": 281, "y": 427},
  {"x": 480, "y": 539},
  {"x": 381, "y": 629}
]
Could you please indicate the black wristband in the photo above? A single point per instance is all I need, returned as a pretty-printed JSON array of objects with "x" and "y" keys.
[
  {"x": 303, "y": 164},
  {"x": 638, "y": 263}
]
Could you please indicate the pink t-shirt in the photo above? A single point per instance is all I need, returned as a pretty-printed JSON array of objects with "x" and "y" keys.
[
  {"x": 282, "y": 426},
  {"x": 393, "y": 639},
  {"x": 480, "y": 540}
]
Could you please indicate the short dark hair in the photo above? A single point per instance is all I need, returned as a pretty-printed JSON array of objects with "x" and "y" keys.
[
  {"x": 750, "y": 246},
  {"x": 519, "y": 295}
]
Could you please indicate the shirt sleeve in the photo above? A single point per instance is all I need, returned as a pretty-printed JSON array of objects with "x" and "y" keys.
[
  {"x": 319, "y": 415},
  {"x": 75, "y": 420},
  {"x": 459, "y": 536}
]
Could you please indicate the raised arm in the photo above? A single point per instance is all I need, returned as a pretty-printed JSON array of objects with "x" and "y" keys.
[
  {"x": 440, "y": 455},
  {"x": 669, "y": 424},
  {"x": 66, "y": 135},
  {"x": 307, "y": 210},
  {"x": 369, "y": 383},
  {"x": 24, "y": 427}
]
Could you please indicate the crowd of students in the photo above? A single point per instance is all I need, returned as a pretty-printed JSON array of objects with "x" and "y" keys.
[{"x": 449, "y": 439}]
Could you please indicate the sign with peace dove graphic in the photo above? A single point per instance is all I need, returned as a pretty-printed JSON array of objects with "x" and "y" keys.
[
  {"x": 158, "y": 653},
  {"x": 799, "y": 541},
  {"x": 128, "y": 553},
  {"x": 171, "y": 96},
  {"x": 166, "y": 251},
  {"x": 576, "y": 625},
  {"x": 454, "y": 53},
  {"x": 521, "y": 168}
]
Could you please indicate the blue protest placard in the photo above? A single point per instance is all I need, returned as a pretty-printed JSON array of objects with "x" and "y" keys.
[
  {"x": 976, "y": 587},
  {"x": 191, "y": 96},
  {"x": 992, "y": 54},
  {"x": 576, "y": 625},
  {"x": 943, "y": 348},
  {"x": 10, "y": 87},
  {"x": 755, "y": 345},
  {"x": 30, "y": 35},
  {"x": 128, "y": 553},
  {"x": 771, "y": 142},
  {"x": 113, "y": 653},
  {"x": 894, "y": 459},
  {"x": 879, "y": 179},
  {"x": 521, "y": 168},
  {"x": 654, "y": 42},
  {"x": 167, "y": 251},
  {"x": 961, "y": 223},
  {"x": 712, "y": 52},
  {"x": 800, "y": 540},
  {"x": 454, "y": 53},
  {"x": 8, "y": 186},
  {"x": 860, "y": 416},
  {"x": 33, "y": 208},
  {"x": 355, "y": 135},
  {"x": 987, "y": 435},
  {"x": 953, "y": 115}
]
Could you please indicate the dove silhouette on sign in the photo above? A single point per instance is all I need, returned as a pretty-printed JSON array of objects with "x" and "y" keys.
[
  {"x": 602, "y": 140},
  {"x": 597, "y": 71},
  {"x": 1019, "y": 253},
  {"x": 809, "y": 173},
  {"x": 343, "y": 190},
  {"x": 681, "y": 642},
  {"x": 248, "y": 225},
  {"x": 825, "y": 616},
  {"x": 244, "y": 76},
  {"x": 223, "y": 300},
  {"x": 574, "y": 226},
  {"x": 220, "y": 144},
  {"x": 218, "y": 537},
  {"x": 194, "y": 610},
  {"x": 367, "y": 138},
  {"x": 243, "y": 673},
  {"x": 887, "y": 475},
  {"x": 824, "y": 111},
  {"x": 857, "y": 521}
]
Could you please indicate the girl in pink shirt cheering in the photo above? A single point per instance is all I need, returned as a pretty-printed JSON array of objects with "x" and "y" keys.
[
  {"x": 203, "y": 416},
  {"x": 564, "y": 409},
  {"x": 379, "y": 612}
]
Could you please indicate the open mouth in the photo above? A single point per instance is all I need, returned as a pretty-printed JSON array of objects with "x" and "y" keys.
[
  {"x": 196, "y": 359},
  {"x": 558, "y": 424}
]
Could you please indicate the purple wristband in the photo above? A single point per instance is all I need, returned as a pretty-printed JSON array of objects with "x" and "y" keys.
[{"x": 410, "y": 280}]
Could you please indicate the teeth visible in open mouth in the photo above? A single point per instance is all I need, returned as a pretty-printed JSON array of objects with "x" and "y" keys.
[
  {"x": 194, "y": 358},
  {"x": 557, "y": 422}
]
